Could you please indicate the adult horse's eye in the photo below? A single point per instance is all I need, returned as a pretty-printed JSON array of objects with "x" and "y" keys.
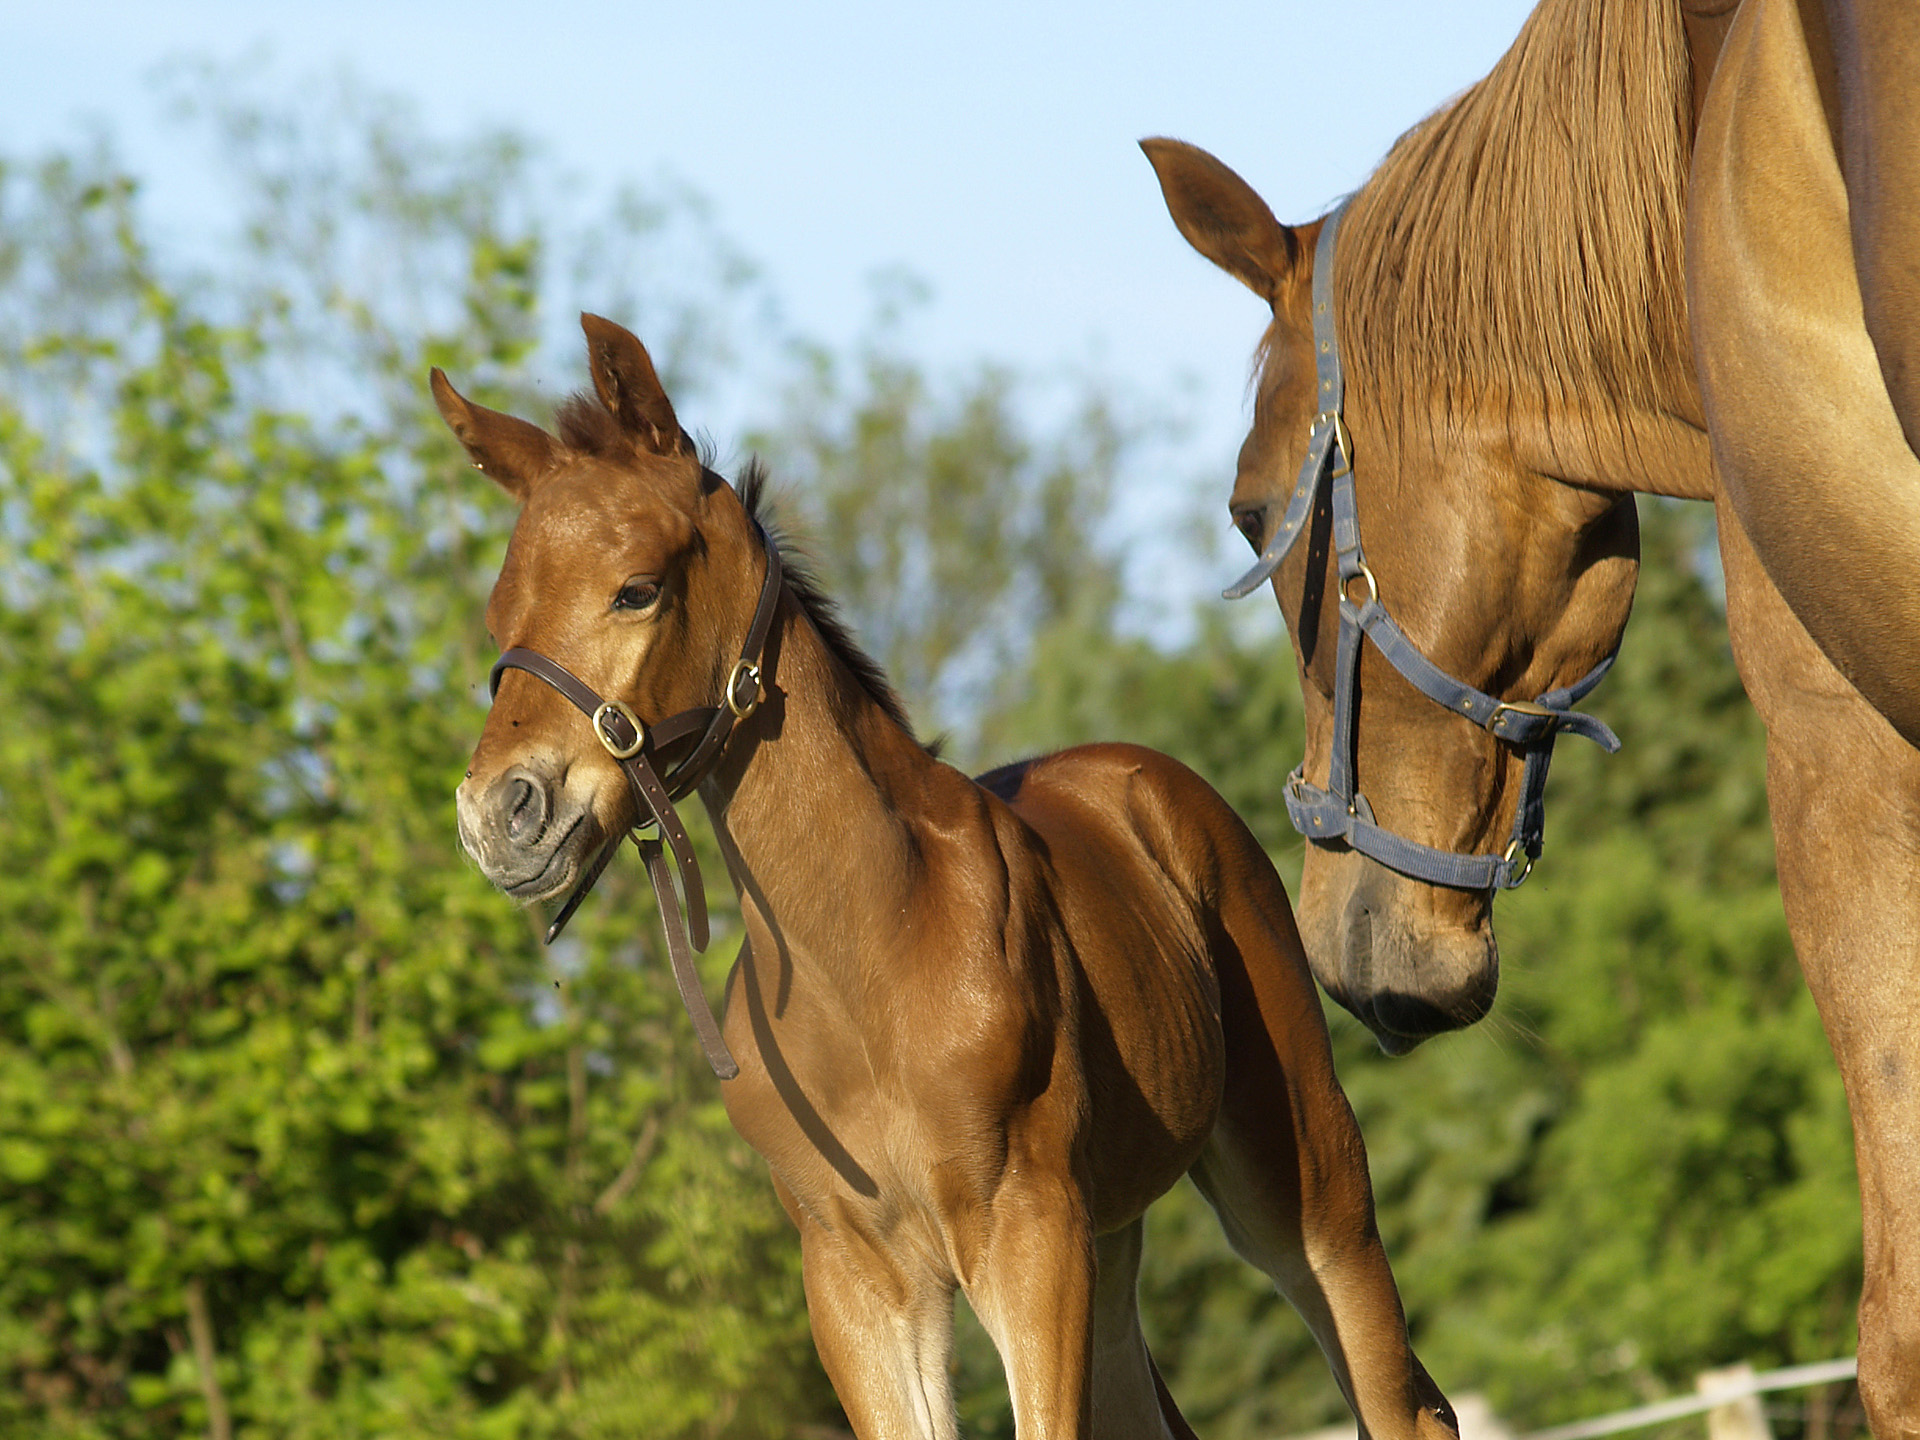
[
  {"x": 637, "y": 595},
  {"x": 1252, "y": 523}
]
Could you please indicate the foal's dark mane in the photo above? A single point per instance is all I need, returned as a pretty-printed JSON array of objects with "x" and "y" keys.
[
  {"x": 821, "y": 608},
  {"x": 1526, "y": 239}
]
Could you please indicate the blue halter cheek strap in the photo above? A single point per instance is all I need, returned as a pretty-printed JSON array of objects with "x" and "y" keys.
[{"x": 1340, "y": 812}]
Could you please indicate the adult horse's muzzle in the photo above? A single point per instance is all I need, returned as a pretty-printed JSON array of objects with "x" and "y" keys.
[{"x": 1409, "y": 960}]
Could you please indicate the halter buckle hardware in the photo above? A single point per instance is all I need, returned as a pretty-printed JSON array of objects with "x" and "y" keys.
[
  {"x": 744, "y": 670},
  {"x": 619, "y": 752},
  {"x": 1341, "y": 438},
  {"x": 1514, "y": 850},
  {"x": 1519, "y": 707}
]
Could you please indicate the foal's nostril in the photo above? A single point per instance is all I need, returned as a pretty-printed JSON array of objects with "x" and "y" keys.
[
  {"x": 523, "y": 801},
  {"x": 520, "y": 816}
]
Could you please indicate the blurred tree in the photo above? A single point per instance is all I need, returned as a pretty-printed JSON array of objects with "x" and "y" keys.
[
  {"x": 301, "y": 1134},
  {"x": 953, "y": 533}
]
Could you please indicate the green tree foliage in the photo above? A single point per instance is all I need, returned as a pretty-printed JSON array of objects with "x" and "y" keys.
[{"x": 302, "y": 1134}]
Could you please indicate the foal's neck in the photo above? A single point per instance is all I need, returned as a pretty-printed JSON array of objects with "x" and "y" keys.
[{"x": 816, "y": 800}]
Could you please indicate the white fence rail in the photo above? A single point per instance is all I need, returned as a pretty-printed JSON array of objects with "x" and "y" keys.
[
  {"x": 1716, "y": 1390},
  {"x": 1727, "y": 1397}
]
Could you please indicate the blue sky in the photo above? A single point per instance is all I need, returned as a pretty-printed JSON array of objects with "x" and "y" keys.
[{"x": 987, "y": 148}]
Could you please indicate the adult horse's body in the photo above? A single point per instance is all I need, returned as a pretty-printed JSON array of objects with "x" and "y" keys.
[
  {"x": 1658, "y": 252},
  {"x": 979, "y": 1027}
]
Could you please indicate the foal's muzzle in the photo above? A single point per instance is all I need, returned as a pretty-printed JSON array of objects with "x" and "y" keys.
[{"x": 522, "y": 833}]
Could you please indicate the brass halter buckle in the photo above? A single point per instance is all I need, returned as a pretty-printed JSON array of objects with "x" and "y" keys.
[
  {"x": 1524, "y": 707},
  {"x": 1340, "y": 438},
  {"x": 750, "y": 672},
  {"x": 619, "y": 752}
]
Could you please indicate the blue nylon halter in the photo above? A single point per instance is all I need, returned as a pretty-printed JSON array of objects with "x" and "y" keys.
[{"x": 1340, "y": 812}]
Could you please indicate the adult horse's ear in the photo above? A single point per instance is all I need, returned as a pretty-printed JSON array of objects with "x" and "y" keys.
[
  {"x": 1223, "y": 218},
  {"x": 509, "y": 451},
  {"x": 624, "y": 377}
]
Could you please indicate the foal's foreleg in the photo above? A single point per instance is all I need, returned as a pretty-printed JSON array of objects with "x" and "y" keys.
[
  {"x": 1033, "y": 1291},
  {"x": 885, "y": 1339},
  {"x": 1129, "y": 1400}
]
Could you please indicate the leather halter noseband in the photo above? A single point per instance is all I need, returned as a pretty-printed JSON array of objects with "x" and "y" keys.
[
  {"x": 1340, "y": 811},
  {"x": 636, "y": 746}
]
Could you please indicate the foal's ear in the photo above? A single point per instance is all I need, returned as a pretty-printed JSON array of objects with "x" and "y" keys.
[
  {"x": 510, "y": 452},
  {"x": 623, "y": 376},
  {"x": 1223, "y": 218}
]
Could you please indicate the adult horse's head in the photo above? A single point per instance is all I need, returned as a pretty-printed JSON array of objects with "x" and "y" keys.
[
  {"x": 607, "y": 576},
  {"x": 1498, "y": 570}
]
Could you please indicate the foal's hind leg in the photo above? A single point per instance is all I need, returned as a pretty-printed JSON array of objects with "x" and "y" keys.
[{"x": 1287, "y": 1173}]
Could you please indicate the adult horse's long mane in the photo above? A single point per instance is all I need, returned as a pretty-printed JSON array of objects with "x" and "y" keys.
[{"x": 1526, "y": 239}]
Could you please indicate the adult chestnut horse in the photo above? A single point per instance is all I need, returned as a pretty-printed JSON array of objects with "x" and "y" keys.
[
  {"x": 1662, "y": 249},
  {"x": 978, "y": 1027}
]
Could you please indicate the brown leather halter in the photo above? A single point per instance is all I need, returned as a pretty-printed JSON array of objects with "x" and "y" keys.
[{"x": 636, "y": 747}]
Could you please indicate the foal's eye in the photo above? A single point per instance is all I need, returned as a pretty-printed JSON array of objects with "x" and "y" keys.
[
  {"x": 1252, "y": 523},
  {"x": 637, "y": 595}
]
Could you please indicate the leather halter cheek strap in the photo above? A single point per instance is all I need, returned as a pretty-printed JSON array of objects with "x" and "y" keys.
[
  {"x": 1340, "y": 811},
  {"x": 635, "y": 747}
]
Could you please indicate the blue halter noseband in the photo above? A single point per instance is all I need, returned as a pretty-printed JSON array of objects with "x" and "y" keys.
[{"x": 1340, "y": 812}]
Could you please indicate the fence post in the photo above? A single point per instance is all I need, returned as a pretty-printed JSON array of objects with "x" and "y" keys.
[{"x": 1741, "y": 1417}]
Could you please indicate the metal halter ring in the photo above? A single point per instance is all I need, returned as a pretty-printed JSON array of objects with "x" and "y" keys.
[
  {"x": 1515, "y": 848},
  {"x": 1373, "y": 587},
  {"x": 619, "y": 752},
  {"x": 745, "y": 670}
]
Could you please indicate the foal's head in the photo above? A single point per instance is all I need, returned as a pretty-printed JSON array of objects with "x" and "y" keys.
[
  {"x": 1503, "y": 577},
  {"x": 631, "y": 565}
]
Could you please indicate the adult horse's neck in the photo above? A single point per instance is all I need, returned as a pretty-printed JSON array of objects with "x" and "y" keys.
[
  {"x": 1519, "y": 257},
  {"x": 815, "y": 808}
]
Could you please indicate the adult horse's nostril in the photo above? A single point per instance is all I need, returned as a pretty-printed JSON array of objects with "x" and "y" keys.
[{"x": 525, "y": 805}]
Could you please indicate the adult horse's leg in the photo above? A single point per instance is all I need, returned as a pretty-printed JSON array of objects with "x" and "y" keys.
[
  {"x": 1876, "y": 52},
  {"x": 1286, "y": 1170},
  {"x": 887, "y": 1354},
  {"x": 1129, "y": 1402},
  {"x": 1811, "y": 399},
  {"x": 1844, "y": 790}
]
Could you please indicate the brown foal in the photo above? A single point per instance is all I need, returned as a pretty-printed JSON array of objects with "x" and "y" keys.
[{"x": 980, "y": 1025}]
